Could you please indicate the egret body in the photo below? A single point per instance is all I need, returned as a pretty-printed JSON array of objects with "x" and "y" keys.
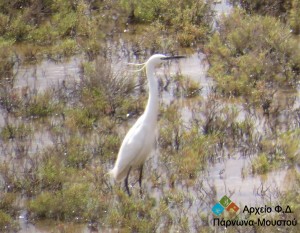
[{"x": 139, "y": 140}]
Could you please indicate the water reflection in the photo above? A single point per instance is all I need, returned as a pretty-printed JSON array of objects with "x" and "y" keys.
[
  {"x": 227, "y": 175},
  {"x": 48, "y": 73},
  {"x": 222, "y": 7},
  {"x": 228, "y": 178}
]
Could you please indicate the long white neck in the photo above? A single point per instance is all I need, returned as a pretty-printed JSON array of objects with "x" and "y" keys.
[{"x": 151, "y": 110}]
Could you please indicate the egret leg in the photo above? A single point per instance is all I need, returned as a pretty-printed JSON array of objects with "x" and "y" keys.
[
  {"x": 140, "y": 178},
  {"x": 126, "y": 182}
]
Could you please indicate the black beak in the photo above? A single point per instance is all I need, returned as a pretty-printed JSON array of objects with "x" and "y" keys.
[{"x": 172, "y": 57}]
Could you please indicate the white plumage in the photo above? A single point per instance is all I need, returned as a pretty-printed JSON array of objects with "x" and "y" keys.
[{"x": 139, "y": 140}]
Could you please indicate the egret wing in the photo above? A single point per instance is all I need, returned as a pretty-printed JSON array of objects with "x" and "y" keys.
[{"x": 131, "y": 151}]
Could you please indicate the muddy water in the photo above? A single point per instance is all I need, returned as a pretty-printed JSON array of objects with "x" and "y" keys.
[
  {"x": 231, "y": 175},
  {"x": 47, "y": 74},
  {"x": 227, "y": 175},
  {"x": 222, "y": 7},
  {"x": 228, "y": 178},
  {"x": 48, "y": 226}
]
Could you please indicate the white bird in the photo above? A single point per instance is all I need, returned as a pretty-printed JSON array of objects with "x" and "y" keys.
[{"x": 139, "y": 140}]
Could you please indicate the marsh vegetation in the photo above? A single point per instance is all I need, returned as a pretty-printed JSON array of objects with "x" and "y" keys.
[{"x": 59, "y": 139}]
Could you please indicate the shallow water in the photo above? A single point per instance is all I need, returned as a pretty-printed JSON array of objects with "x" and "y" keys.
[
  {"x": 51, "y": 226},
  {"x": 222, "y": 7},
  {"x": 47, "y": 74},
  {"x": 228, "y": 175}
]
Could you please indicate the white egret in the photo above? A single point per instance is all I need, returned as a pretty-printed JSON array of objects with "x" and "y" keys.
[{"x": 139, "y": 140}]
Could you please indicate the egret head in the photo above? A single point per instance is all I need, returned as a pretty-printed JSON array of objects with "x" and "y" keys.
[
  {"x": 158, "y": 59},
  {"x": 155, "y": 60}
]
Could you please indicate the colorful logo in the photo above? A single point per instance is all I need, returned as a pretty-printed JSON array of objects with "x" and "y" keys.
[{"x": 225, "y": 204}]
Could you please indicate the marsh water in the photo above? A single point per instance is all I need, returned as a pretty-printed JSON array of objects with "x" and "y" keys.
[{"x": 226, "y": 174}]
